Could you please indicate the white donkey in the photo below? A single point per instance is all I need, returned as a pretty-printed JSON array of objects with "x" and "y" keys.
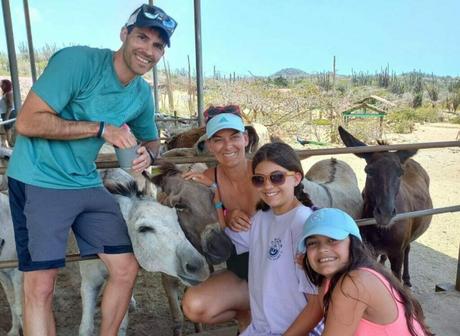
[
  {"x": 10, "y": 278},
  {"x": 158, "y": 242}
]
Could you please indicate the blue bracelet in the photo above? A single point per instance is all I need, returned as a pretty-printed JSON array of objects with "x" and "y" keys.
[{"x": 218, "y": 205}]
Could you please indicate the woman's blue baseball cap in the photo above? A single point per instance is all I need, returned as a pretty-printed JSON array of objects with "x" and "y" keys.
[
  {"x": 329, "y": 222},
  {"x": 224, "y": 121}
]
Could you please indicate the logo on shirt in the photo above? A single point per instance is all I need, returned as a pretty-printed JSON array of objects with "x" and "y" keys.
[{"x": 275, "y": 249}]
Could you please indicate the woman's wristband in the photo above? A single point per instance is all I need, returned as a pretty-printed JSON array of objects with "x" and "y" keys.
[{"x": 218, "y": 205}]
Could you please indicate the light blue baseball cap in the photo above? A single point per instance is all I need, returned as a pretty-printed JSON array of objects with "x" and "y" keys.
[
  {"x": 224, "y": 121},
  {"x": 329, "y": 222}
]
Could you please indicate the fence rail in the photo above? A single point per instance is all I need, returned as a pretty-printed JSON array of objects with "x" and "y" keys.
[
  {"x": 108, "y": 161},
  {"x": 9, "y": 121},
  {"x": 360, "y": 222}
]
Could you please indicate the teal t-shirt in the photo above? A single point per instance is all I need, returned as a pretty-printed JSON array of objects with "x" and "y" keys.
[{"x": 80, "y": 83}]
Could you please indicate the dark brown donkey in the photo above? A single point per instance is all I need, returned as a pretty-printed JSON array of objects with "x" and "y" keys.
[{"x": 394, "y": 184}]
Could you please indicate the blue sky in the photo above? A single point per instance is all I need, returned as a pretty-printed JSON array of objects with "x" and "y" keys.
[{"x": 264, "y": 36}]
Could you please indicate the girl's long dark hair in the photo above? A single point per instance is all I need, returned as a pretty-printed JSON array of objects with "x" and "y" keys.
[
  {"x": 284, "y": 156},
  {"x": 360, "y": 256}
]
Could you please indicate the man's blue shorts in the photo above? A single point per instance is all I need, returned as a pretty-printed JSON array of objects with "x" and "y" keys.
[{"x": 42, "y": 219}]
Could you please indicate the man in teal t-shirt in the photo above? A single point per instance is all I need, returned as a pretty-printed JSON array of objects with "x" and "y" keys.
[{"x": 82, "y": 99}]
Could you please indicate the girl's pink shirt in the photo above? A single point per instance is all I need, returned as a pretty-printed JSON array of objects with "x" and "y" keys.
[{"x": 397, "y": 327}]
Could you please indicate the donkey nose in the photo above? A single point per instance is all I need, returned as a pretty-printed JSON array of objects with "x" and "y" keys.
[{"x": 191, "y": 268}]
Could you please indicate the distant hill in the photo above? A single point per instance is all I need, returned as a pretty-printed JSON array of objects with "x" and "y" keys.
[{"x": 290, "y": 72}]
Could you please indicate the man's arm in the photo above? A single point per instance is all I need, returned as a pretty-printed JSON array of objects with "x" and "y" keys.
[{"x": 38, "y": 120}]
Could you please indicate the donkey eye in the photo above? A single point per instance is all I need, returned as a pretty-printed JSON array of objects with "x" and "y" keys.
[
  {"x": 146, "y": 229},
  {"x": 180, "y": 206}
]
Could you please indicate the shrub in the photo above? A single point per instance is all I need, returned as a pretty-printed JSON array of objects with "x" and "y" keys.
[
  {"x": 427, "y": 114},
  {"x": 455, "y": 120},
  {"x": 403, "y": 120},
  {"x": 403, "y": 127},
  {"x": 418, "y": 92},
  {"x": 433, "y": 89},
  {"x": 280, "y": 81},
  {"x": 321, "y": 122},
  {"x": 324, "y": 81},
  {"x": 456, "y": 101}
]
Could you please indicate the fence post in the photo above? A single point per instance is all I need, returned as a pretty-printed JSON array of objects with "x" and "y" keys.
[{"x": 457, "y": 283}]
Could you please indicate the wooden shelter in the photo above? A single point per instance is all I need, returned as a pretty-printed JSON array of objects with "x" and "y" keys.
[{"x": 369, "y": 107}]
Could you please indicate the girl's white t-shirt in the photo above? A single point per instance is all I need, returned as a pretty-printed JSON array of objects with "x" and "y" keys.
[{"x": 277, "y": 284}]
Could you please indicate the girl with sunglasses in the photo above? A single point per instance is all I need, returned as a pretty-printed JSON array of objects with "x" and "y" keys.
[
  {"x": 358, "y": 296},
  {"x": 224, "y": 296},
  {"x": 278, "y": 288}
]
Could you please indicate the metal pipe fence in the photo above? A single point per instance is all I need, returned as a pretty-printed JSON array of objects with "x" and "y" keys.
[{"x": 108, "y": 161}]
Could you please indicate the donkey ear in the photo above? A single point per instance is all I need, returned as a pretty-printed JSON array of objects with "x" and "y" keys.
[
  {"x": 155, "y": 177},
  {"x": 253, "y": 139},
  {"x": 405, "y": 154},
  {"x": 200, "y": 145},
  {"x": 350, "y": 141},
  {"x": 168, "y": 200}
]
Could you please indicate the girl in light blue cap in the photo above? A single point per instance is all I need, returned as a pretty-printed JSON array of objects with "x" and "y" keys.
[{"x": 357, "y": 294}]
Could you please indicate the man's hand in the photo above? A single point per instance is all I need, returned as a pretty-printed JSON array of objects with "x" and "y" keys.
[
  {"x": 120, "y": 137},
  {"x": 143, "y": 161}
]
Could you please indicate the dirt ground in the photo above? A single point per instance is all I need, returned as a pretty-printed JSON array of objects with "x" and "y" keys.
[{"x": 434, "y": 256}]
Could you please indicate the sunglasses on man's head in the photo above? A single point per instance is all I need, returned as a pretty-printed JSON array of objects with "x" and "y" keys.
[
  {"x": 276, "y": 178},
  {"x": 167, "y": 22},
  {"x": 214, "y": 111}
]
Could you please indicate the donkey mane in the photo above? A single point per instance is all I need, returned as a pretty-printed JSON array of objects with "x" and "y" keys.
[
  {"x": 128, "y": 190},
  {"x": 168, "y": 168},
  {"x": 333, "y": 171},
  {"x": 382, "y": 142}
]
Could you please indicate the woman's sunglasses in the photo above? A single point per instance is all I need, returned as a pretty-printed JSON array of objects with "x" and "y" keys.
[{"x": 276, "y": 178}]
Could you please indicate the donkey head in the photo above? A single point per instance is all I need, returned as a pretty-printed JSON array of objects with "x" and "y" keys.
[
  {"x": 384, "y": 171},
  {"x": 195, "y": 208},
  {"x": 158, "y": 241}
]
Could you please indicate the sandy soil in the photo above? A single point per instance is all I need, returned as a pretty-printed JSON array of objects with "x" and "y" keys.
[{"x": 434, "y": 256}]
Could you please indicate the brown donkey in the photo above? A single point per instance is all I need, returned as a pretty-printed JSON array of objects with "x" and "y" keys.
[{"x": 394, "y": 184}]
